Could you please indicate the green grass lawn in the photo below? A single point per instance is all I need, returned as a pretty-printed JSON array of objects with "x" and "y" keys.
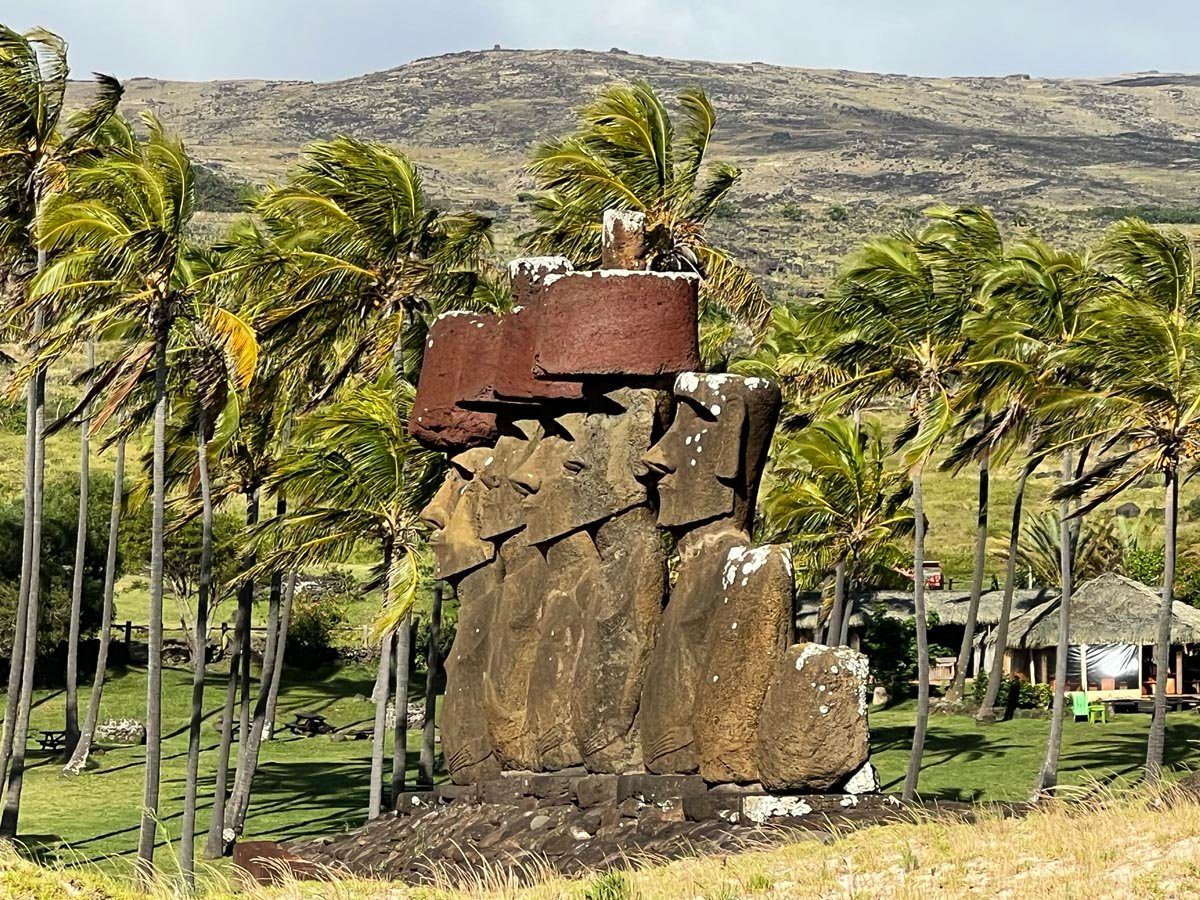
[
  {"x": 309, "y": 786},
  {"x": 304, "y": 786}
]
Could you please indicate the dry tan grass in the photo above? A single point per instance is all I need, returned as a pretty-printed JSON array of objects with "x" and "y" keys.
[{"x": 1138, "y": 845}]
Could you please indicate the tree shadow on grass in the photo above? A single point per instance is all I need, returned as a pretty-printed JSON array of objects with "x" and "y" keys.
[{"x": 942, "y": 748}]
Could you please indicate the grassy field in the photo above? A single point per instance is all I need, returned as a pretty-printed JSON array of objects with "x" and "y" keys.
[{"x": 318, "y": 785}]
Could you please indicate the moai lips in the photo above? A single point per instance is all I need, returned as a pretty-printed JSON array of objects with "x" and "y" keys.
[{"x": 617, "y": 323}]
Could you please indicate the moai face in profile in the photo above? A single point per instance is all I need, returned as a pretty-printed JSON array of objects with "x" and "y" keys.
[
  {"x": 500, "y": 509},
  {"x": 709, "y": 462},
  {"x": 453, "y": 517},
  {"x": 591, "y": 470}
]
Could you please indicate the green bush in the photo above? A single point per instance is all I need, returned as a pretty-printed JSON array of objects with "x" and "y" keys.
[
  {"x": 1029, "y": 695},
  {"x": 59, "y": 524},
  {"x": 610, "y": 886},
  {"x": 1145, "y": 565},
  {"x": 316, "y": 616},
  {"x": 891, "y": 646}
]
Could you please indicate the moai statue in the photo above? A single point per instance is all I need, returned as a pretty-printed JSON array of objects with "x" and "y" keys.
[
  {"x": 607, "y": 577},
  {"x": 727, "y": 621},
  {"x": 469, "y": 564},
  {"x": 512, "y": 644}
]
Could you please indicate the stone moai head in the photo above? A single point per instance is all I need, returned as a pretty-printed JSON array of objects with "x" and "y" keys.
[
  {"x": 589, "y": 466},
  {"x": 709, "y": 461},
  {"x": 500, "y": 510},
  {"x": 453, "y": 517}
]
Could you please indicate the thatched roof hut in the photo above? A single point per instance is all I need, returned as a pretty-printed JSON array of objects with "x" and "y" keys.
[
  {"x": 1109, "y": 609},
  {"x": 950, "y": 606}
]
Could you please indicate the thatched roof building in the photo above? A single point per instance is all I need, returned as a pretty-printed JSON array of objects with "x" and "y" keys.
[
  {"x": 1109, "y": 609},
  {"x": 950, "y": 606}
]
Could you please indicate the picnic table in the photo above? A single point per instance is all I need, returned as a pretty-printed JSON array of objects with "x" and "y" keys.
[
  {"x": 309, "y": 724},
  {"x": 52, "y": 741}
]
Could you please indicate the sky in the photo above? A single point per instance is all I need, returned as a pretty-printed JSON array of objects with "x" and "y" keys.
[{"x": 331, "y": 39}]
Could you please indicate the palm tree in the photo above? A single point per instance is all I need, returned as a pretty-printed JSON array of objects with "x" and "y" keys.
[
  {"x": 895, "y": 321},
  {"x": 121, "y": 231},
  {"x": 1143, "y": 356},
  {"x": 833, "y": 495},
  {"x": 629, "y": 154},
  {"x": 351, "y": 249},
  {"x": 34, "y": 158},
  {"x": 1033, "y": 305},
  {"x": 354, "y": 471}
]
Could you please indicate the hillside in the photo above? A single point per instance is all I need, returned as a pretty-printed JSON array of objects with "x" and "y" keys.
[{"x": 829, "y": 156}]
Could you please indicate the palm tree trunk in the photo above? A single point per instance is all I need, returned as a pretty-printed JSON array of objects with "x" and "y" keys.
[
  {"x": 433, "y": 661},
  {"x": 404, "y": 645},
  {"x": 379, "y": 734},
  {"x": 833, "y": 627},
  {"x": 285, "y": 621},
  {"x": 1048, "y": 776},
  {"x": 918, "y": 745},
  {"x": 187, "y": 839},
  {"x": 215, "y": 844},
  {"x": 1162, "y": 647},
  {"x": 217, "y": 841},
  {"x": 958, "y": 686},
  {"x": 79, "y": 757},
  {"x": 246, "y": 605},
  {"x": 72, "y": 699},
  {"x": 987, "y": 710},
  {"x": 17, "y": 661},
  {"x": 848, "y": 606},
  {"x": 239, "y": 803},
  {"x": 16, "y": 772},
  {"x": 149, "y": 824}
]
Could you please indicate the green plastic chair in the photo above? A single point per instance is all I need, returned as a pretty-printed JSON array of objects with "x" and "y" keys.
[
  {"x": 1097, "y": 712},
  {"x": 1079, "y": 703}
]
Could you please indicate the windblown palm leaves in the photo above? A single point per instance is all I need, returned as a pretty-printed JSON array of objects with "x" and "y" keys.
[
  {"x": 351, "y": 253},
  {"x": 35, "y": 152},
  {"x": 835, "y": 497},
  {"x": 629, "y": 154},
  {"x": 354, "y": 473}
]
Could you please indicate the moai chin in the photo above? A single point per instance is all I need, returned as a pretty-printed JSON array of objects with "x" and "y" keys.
[{"x": 727, "y": 621}]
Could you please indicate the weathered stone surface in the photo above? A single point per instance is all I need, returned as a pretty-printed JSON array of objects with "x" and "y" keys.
[
  {"x": 813, "y": 725},
  {"x": 466, "y": 740},
  {"x": 574, "y": 575},
  {"x": 453, "y": 517},
  {"x": 620, "y": 626},
  {"x": 457, "y": 366},
  {"x": 463, "y": 839},
  {"x": 513, "y": 648},
  {"x": 519, "y": 335},
  {"x": 595, "y": 790},
  {"x": 413, "y": 801},
  {"x": 678, "y": 657},
  {"x": 709, "y": 462},
  {"x": 658, "y": 788},
  {"x": 623, "y": 240},
  {"x": 747, "y": 636},
  {"x": 617, "y": 323},
  {"x": 593, "y": 474}
]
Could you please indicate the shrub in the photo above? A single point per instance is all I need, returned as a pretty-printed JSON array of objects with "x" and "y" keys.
[
  {"x": 609, "y": 886},
  {"x": 315, "y": 619},
  {"x": 1029, "y": 695},
  {"x": 837, "y": 213},
  {"x": 1145, "y": 565}
]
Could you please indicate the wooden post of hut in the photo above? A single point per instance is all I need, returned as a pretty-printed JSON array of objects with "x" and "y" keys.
[
  {"x": 1179, "y": 670},
  {"x": 1083, "y": 679}
]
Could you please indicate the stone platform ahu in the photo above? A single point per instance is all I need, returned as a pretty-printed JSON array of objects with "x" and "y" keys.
[{"x": 580, "y": 433}]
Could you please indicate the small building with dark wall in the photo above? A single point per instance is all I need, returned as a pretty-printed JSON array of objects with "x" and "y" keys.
[
  {"x": 949, "y": 606},
  {"x": 1114, "y": 625}
]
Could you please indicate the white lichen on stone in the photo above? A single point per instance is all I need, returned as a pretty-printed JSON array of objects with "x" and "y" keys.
[
  {"x": 807, "y": 653},
  {"x": 454, "y": 314},
  {"x": 864, "y": 781},
  {"x": 621, "y": 273},
  {"x": 537, "y": 266},
  {"x": 849, "y": 800},
  {"x": 759, "y": 809},
  {"x": 823, "y": 709}
]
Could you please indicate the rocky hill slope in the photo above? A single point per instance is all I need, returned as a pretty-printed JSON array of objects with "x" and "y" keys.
[{"x": 829, "y": 156}]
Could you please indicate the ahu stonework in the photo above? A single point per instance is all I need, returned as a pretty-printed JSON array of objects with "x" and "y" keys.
[{"x": 589, "y": 457}]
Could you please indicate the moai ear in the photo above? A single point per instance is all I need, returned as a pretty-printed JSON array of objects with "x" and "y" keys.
[{"x": 730, "y": 444}]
